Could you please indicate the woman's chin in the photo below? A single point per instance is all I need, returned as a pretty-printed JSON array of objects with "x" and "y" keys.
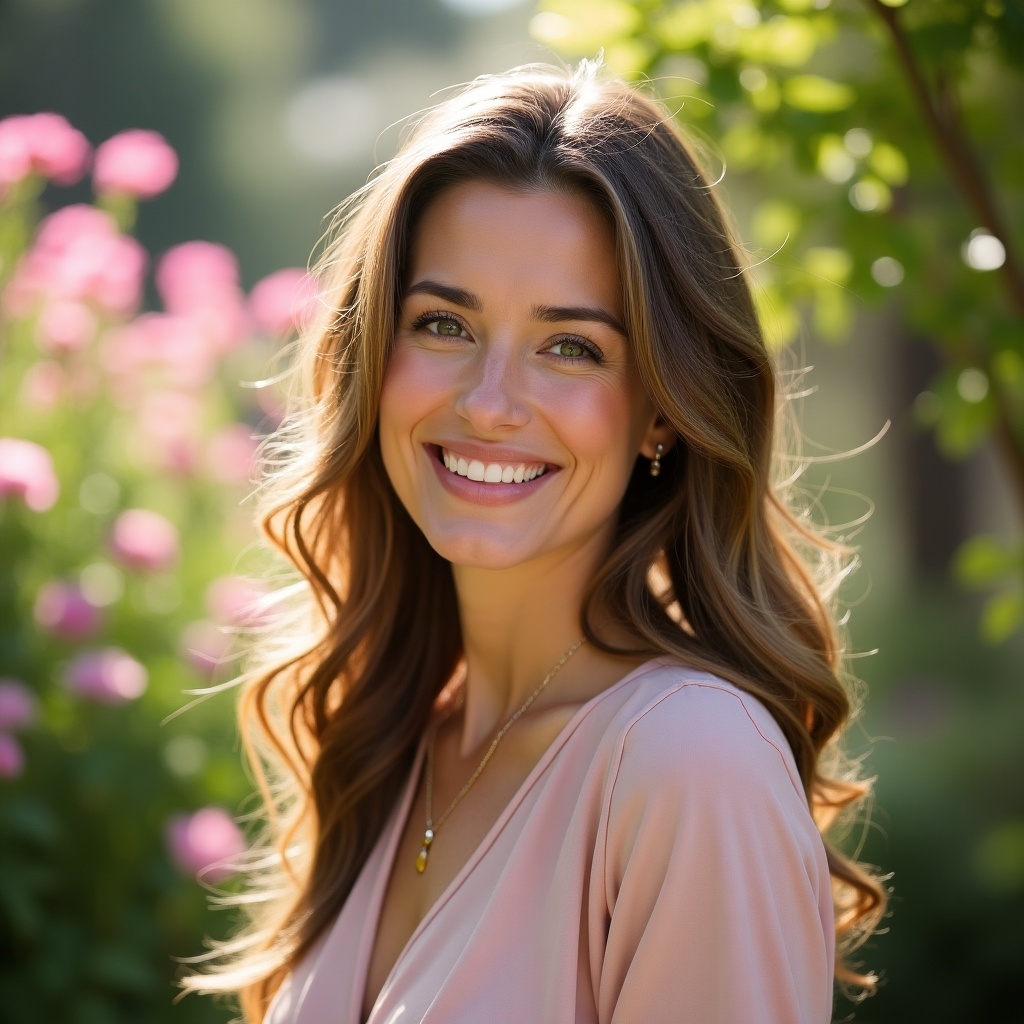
[{"x": 480, "y": 551}]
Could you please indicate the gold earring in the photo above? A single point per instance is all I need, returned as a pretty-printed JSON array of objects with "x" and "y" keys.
[{"x": 656, "y": 461}]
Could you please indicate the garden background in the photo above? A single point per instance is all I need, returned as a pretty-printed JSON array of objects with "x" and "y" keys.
[{"x": 875, "y": 162}]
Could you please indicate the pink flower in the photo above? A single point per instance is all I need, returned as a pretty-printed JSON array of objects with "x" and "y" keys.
[
  {"x": 63, "y": 610},
  {"x": 171, "y": 423},
  {"x": 199, "y": 280},
  {"x": 12, "y": 758},
  {"x": 78, "y": 256},
  {"x": 237, "y": 601},
  {"x": 136, "y": 162},
  {"x": 196, "y": 274},
  {"x": 161, "y": 350},
  {"x": 65, "y": 327},
  {"x": 205, "y": 843},
  {"x": 43, "y": 384},
  {"x": 283, "y": 301},
  {"x": 43, "y": 144},
  {"x": 206, "y": 647},
  {"x": 18, "y": 705},
  {"x": 230, "y": 456},
  {"x": 144, "y": 540},
  {"x": 108, "y": 675},
  {"x": 26, "y": 472},
  {"x": 71, "y": 224}
]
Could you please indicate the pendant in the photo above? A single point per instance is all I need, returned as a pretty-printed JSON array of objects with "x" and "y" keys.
[{"x": 421, "y": 857}]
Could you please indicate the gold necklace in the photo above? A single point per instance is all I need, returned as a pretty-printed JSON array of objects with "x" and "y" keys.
[{"x": 432, "y": 826}]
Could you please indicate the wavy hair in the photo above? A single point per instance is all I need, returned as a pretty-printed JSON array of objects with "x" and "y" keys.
[{"x": 709, "y": 563}]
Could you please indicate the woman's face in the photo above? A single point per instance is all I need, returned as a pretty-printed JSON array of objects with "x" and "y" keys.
[{"x": 512, "y": 414}]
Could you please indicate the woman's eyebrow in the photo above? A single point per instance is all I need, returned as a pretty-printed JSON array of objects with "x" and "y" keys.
[
  {"x": 559, "y": 314},
  {"x": 457, "y": 296}
]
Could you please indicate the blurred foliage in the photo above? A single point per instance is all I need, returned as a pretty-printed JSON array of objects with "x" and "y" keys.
[
  {"x": 881, "y": 138},
  {"x": 97, "y": 867},
  {"x": 944, "y": 722}
]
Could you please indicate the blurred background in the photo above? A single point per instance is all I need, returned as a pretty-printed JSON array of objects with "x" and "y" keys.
[{"x": 873, "y": 158}]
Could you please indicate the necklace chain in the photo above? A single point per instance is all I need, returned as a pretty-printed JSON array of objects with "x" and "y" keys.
[{"x": 432, "y": 826}]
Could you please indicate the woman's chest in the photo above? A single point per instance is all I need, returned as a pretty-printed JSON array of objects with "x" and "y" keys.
[{"x": 411, "y": 896}]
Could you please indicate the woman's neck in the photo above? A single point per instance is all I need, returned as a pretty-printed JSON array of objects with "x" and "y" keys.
[{"x": 516, "y": 625}]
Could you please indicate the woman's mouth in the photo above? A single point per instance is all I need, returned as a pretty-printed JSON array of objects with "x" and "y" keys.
[{"x": 490, "y": 472}]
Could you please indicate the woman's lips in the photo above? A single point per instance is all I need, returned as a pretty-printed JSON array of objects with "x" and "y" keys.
[{"x": 472, "y": 484}]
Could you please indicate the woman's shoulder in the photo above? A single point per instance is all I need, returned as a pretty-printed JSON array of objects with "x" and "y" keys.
[{"x": 675, "y": 724}]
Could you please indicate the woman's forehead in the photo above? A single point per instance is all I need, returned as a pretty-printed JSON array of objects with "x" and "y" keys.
[{"x": 550, "y": 246}]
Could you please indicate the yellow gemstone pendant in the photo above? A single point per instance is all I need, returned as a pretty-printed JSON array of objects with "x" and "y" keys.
[{"x": 421, "y": 857}]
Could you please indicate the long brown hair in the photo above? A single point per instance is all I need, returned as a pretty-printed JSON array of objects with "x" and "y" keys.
[{"x": 709, "y": 563}]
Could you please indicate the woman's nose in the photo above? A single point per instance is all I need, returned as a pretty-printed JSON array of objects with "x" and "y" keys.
[{"x": 491, "y": 395}]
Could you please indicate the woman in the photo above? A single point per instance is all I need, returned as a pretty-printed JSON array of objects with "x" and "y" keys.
[{"x": 551, "y": 742}]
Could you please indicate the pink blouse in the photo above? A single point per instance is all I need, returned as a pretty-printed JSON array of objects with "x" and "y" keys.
[{"x": 659, "y": 864}]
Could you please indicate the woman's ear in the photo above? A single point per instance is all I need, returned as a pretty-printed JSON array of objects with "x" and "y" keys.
[{"x": 659, "y": 432}]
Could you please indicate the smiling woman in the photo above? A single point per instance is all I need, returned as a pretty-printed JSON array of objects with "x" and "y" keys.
[
  {"x": 558, "y": 740},
  {"x": 526, "y": 369}
]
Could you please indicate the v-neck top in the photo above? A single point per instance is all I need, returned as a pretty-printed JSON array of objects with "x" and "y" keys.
[{"x": 659, "y": 864}]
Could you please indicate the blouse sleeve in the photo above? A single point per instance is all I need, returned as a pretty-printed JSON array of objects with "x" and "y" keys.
[{"x": 717, "y": 900}]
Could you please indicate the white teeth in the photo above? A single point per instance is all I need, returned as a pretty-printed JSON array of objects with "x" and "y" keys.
[{"x": 492, "y": 472}]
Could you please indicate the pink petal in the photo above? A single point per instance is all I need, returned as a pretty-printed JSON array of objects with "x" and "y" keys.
[
  {"x": 19, "y": 707},
  {"x": 136, "y": 162},
  {"x": 26, "y": 472},
  {"x": 144, "y": 540}
]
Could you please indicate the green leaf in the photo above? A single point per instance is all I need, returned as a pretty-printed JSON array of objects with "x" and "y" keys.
[
  {"x": 685, "y": 26},
  {"x": 828, "y": 263},
  {"x": 982, "y": 561},
  {"x": 628, "y": 57},
  {"x": 779, "y": 321},
  {"x": 832, "y": 315},
  {"x": 785, "y": 42},
  {"x": 1008, "y": 368},
  {"x": 889, "y": 164},
  {"x": 1002, "y": 616},
  {"x": 962, "y": 425},
  {"x": 817, "y": 95},
  {"x": 774, "y": 223},
  {"x": 746, "y": 146},
  {"x": 582, "y": 27},
  {"x": 766, "y": 99}
]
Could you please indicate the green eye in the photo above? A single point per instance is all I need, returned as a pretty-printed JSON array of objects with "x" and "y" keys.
[
  {"x": 570, "y": 349},
  {"x": 449, "y": 328}
]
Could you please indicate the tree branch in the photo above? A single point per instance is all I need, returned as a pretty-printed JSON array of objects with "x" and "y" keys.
[
  {"x": 954, "y": 145},
  {"x": 950, "y": 136}
]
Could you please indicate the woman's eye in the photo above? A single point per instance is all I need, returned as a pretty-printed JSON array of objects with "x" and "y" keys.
[
  {"x": 441, "y": 325},
  {"x": 573, "y": 348},
  {"x": 448, "y": 328}
]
